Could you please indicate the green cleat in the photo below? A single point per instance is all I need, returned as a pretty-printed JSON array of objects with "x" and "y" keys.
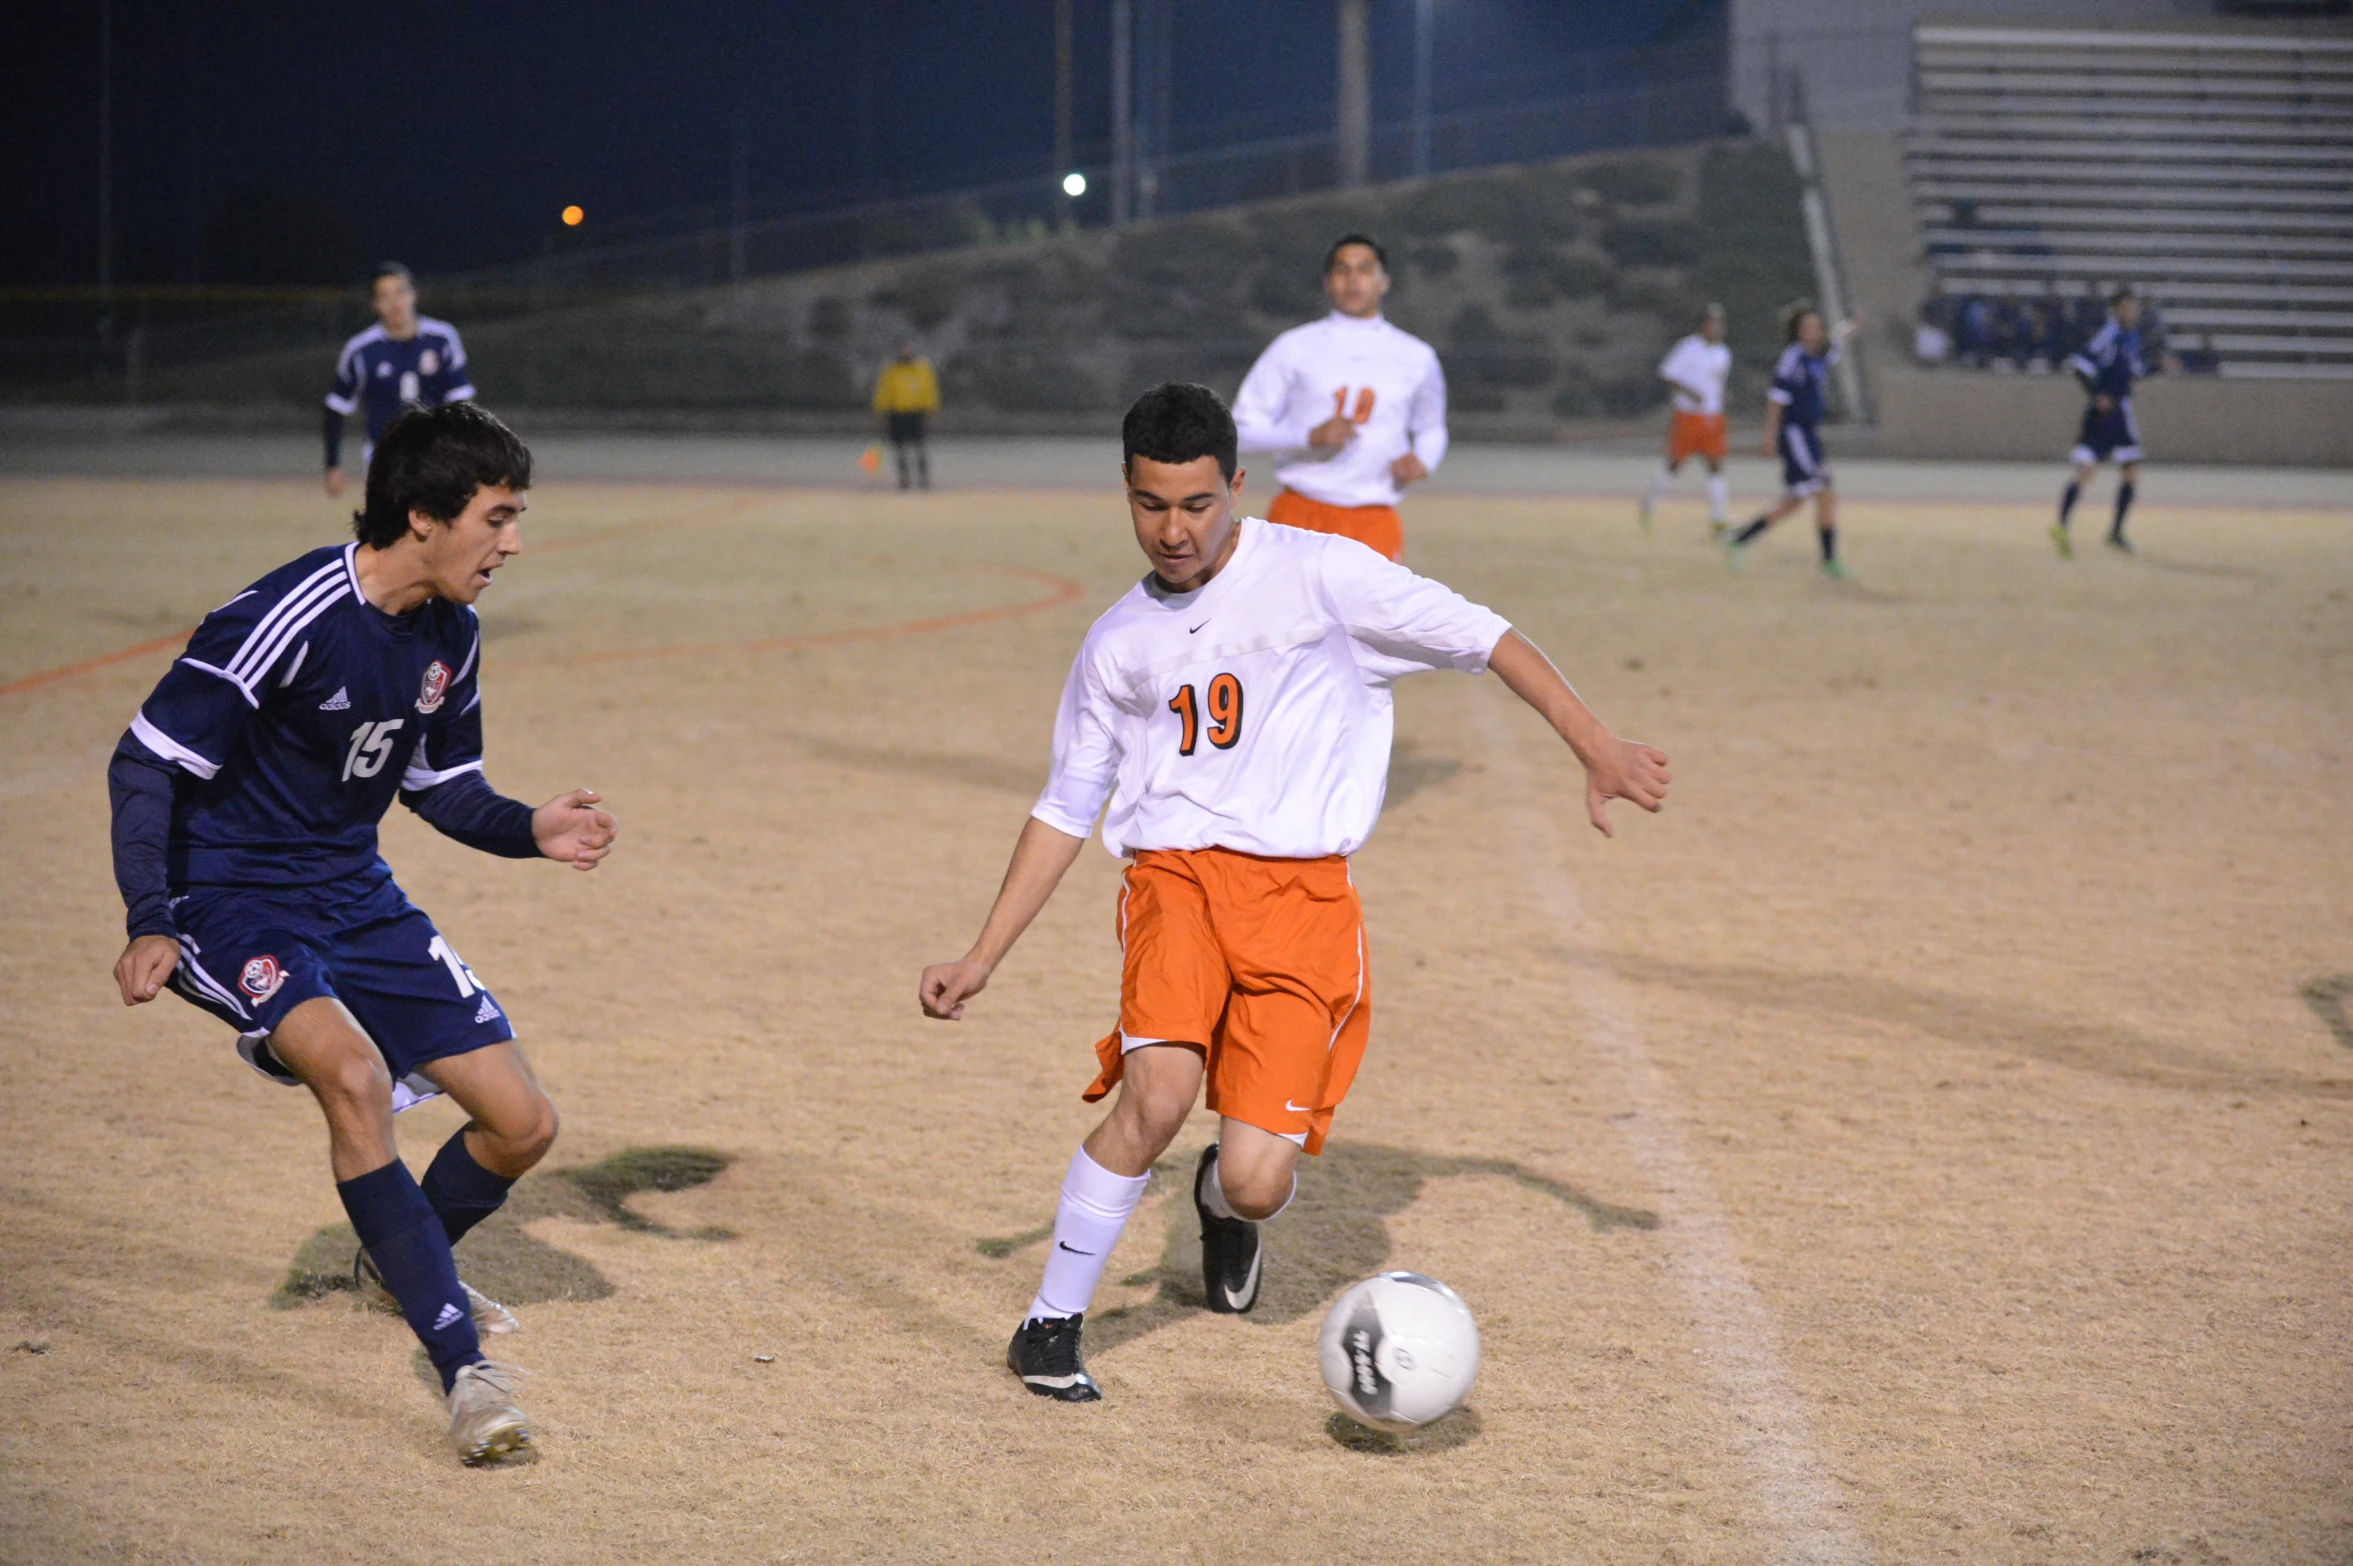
[
  {"x": 1836, "y": 571},
  {"x": 1735, "y": 553},
  {"x": 2062, "y": 541}
]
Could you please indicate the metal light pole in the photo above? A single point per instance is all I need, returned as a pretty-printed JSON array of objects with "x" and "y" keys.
[
  {"x": 1123, "y": 107},
  {"x": 1422, "y": 20},
  {"x": 105, "y": 183},
  {"x": 1062, "y": 138},
  {"x": 1354, "y": 132}
]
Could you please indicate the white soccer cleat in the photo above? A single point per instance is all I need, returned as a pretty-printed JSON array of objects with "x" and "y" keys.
[
  {"x": 491, "y": 1319},
  {"x": 484, "y": 1422}
]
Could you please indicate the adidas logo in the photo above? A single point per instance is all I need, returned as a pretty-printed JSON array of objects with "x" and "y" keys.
[
  {"x": 339, "y": 702},
  {"x": 450, "y": 1316},
  {"x": 487, "y": 1012}
]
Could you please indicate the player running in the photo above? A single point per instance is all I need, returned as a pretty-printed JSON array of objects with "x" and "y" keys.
[
  {"x": 1233, "y": 709},
  {"x": 404, "y": 359},
  {"x": 246, "y": 797},
  {"x": 1357, "y": 407},
  {"x": 1695, "y": 369},
  {"x": 1793, "y": 432},
  {"x": 2107, "y": 366}
]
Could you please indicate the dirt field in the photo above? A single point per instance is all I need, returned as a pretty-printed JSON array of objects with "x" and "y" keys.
[{"x": 1927, "y": 1141}]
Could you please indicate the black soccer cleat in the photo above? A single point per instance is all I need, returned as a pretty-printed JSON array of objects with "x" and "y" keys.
[
  {"x": 1044, "y": 1354},
  {"x": 1229, "y": 1250}
]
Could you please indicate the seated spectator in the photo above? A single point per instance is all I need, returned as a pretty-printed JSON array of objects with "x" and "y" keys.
[{"x": 2200, "y": 358}]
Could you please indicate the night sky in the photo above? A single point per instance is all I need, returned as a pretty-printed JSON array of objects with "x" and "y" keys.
[{"x": 297, "y": 143}]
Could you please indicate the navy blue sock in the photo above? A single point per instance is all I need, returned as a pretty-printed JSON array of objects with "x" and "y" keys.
[
  {"x": 1829, "y": 543},
  {"x": 461, "y": 1191},
  {"x": 2067, "y": 500},
  {"x": 2123, "y": 504},
  {"x": 405, "y": 1241},
  {"x": 1749, "y": 533}
]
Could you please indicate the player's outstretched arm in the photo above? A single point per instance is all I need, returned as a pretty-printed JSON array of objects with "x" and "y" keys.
[
  {"x": 1614, "y": 768},
  {"x": 570, "y": 829},
  {"x": 1041, "y": 857}
]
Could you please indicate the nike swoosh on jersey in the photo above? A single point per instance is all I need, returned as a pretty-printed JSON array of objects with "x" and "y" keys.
[
  {"x": 1298, "y": 1109},
  {"x": 1194, "y": 630}
]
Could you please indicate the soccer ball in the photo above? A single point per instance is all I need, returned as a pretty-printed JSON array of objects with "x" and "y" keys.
[{"x": 1399, "y": 1350}]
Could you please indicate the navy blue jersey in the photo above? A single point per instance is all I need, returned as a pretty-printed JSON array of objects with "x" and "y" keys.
[
  {"x": 297, "y": 713},
  {"x": 1800, "y": 380},
  {"x": 387, "y": 376},
  {"x": 2110, "y": 362}
]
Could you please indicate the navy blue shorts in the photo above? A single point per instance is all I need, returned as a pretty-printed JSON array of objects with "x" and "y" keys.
[
  {"x": 250, "y": 956},
  {"x": 1803, "y": 468},
  {"x": 2114, "y": 436}
]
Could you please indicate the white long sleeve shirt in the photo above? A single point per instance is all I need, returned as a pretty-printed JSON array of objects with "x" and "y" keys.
[
  {"x": 1253, "y": 713},
  {"x": 1703, "y": 367},
  {"x": 1386, "y": 380}
]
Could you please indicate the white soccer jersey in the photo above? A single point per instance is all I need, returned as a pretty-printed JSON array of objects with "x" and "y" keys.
[
  {"x": 1696, "y": 362},
  {"x": 1254, "y": 712},
  {"x": 1386, "y": 380}
]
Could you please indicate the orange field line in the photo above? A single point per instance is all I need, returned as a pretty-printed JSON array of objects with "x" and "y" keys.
[
  {"x": 1064, "y": 590},
  {"x": 103, "y": 660}
]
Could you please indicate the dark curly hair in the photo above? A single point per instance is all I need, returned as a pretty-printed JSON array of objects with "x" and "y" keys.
[
  {"x": 433, "y": 460},
  {"x": 1178, "y": 421}
]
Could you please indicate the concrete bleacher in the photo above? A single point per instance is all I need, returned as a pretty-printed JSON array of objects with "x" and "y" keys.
[{"x": 2212, "y": 171}]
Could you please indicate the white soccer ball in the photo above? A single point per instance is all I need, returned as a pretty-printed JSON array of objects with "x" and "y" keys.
[{"x": 1399, "y": 1350}]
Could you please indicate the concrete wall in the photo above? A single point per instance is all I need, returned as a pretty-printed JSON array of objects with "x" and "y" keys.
[{"x": 1973, "y": 413}]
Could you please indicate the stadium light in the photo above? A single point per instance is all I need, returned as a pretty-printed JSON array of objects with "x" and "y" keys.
[
  {"x": 572, "y": 217},
  {"x": 1074, "y": 184}
]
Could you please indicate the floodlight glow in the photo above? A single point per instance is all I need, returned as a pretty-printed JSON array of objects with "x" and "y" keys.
[
  {"x": 572, "y": 217},
  {"x": 1074, "y": 183}
]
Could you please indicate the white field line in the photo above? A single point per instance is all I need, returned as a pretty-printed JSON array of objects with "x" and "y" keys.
[{"x": 1740, "y": 1345}]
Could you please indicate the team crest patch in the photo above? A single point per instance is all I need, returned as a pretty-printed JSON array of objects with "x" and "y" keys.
[
  {"x": 428, "y": 362},
  {"x": 262, "y": 978},
  {"x": 436, "y": 686}
]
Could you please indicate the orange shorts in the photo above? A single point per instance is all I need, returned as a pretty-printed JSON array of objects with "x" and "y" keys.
[
  {"x": 1379, "y": 526},
  {"x": 1258, "y": 963},
  {"x": 1695, "y": 435}
]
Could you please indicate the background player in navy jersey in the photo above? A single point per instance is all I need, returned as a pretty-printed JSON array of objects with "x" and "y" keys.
[
  {"x": 404, "y": 359},
  {"x": 2107, "y": 366},
  {"x": 246, "y": 799},
  {"x": 1793, "y": 432}
]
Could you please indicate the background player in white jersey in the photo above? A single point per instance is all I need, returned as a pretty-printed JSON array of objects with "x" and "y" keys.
[
  {"x": 1356, "y": 407},
  {"x": 404, "y": 360},
  {"x": 1695, "y": 369},
  {"x": 1233, "y": 711}
]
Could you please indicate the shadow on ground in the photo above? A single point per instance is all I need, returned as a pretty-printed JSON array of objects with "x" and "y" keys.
[
  {"x": 509, "y": 1265},
  {"x": 1459, "y": 1428},
  {"x": 1333, "y": 1234},
  {"x": 2331, "y": 1000},
  {"x": 1981, "y": 1023}
]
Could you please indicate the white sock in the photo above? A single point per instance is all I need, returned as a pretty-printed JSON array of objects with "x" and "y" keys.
[
  {"x": 1718, "y": 499},
  {"x": 1215, "y": 1197},
  {"x": 1095, "y": 1207},
  {"x": 1660, "y": 481}
]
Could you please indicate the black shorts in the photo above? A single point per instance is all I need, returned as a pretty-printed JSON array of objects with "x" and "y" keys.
[{"x": 905, "y": 429}]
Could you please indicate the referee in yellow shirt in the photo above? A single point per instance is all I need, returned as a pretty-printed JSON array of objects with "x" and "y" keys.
[{"x": 905, "y": 394}]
